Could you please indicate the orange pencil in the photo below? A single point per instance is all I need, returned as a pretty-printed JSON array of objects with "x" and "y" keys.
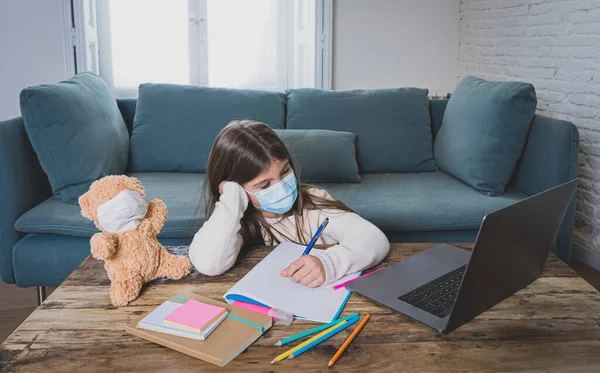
[{"x": 349, "y": 340}]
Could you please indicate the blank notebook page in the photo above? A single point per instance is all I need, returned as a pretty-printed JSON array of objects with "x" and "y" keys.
[{"x": 264, "y": 284}]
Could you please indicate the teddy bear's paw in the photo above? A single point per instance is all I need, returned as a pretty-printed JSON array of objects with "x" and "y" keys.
[
  {"x": 176, "y": 268},
  {"x": 121, "y": 293},
  {"x": 102, "y": 246},
  {"x": 118, "y": 298},
  {"x": 102, "y": 252},
  {"x": 182, "y": 267}
]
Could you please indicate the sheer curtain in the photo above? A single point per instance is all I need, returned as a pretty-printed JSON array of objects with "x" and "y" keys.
[
  {"x": 243, "y": 50},
  {"x": 253, "y": 44},
  {"x": 149, "y": 42}
]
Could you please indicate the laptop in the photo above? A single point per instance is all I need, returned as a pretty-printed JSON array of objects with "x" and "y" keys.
[{"x": 445, "y": 287}]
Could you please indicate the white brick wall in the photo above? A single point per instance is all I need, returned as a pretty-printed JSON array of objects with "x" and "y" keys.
[{"x": 554, "y": 44}]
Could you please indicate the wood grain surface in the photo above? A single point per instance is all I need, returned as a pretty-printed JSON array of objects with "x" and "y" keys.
[{"x": 553, "y": 325}]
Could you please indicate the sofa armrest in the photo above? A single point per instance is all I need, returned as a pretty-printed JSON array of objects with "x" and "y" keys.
[
  {"x": 550, "y": 158},
  {"x": 23, "y": 185}
]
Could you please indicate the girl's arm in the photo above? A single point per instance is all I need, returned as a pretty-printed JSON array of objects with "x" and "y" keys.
[
  {"x": 217, "y": 244},
  {"x": 360, "y": 244}
]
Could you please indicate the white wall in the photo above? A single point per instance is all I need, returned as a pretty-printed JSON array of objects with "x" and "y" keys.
[
  {"x": 553, "y": 44},
  {"x": 395, "y": 43},
  {"x": 32, "y": 49}
]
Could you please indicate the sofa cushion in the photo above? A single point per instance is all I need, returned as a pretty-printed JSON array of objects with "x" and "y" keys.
[
  {"x": 77, "y": 131},
  {"x": 392, "y": 126},
  {"x": 427, "y": 201},
  {"x": 483, "y": 132},
  {"x": 175, "y": 125},
  {"x": 323, "y": 155},
  {"x": 181, "y": 192}
]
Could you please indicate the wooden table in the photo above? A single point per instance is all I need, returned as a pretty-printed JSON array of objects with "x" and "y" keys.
[{"x": 553, "y": 325}]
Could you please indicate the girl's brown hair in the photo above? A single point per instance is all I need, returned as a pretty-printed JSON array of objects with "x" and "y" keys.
[{"x": 241, "y": 152}]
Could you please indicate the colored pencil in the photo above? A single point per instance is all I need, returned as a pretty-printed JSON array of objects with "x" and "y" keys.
[
  {"x": 314, "y": 330},
  {"x": 291, "y": 351},
  {"x": 356, "y": 278},
  {"x": 330, "y": 334},
  {"x": 349, "y": 340}
]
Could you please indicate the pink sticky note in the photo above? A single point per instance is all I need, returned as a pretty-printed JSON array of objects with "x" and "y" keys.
[{"x": 194, "y": 315}]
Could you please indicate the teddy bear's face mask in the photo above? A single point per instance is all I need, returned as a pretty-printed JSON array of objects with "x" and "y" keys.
[{"x": 123, "y": 212}]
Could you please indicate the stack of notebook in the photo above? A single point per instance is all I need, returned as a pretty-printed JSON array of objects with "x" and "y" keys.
[
  {"x": 194, "y": 320},
  {"x": 206, "y": 329}
]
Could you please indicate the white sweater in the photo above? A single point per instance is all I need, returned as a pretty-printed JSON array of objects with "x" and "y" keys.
[{"x": 358, "y": 244}]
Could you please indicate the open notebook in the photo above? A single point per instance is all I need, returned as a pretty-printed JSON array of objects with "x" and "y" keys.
[{"x": 263, "y": 285}]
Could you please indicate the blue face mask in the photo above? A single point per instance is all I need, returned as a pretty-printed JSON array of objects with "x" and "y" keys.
[{"x": 278, "y": 198}]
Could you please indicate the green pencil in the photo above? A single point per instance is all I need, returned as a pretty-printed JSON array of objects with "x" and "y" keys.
[{"x": 314, "y": 330}]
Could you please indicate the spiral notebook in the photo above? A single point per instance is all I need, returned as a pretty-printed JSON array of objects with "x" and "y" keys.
[{"x": 155, "y": 323}]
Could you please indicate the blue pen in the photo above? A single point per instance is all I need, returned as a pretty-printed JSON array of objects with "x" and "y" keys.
[{"x": 315, "y": 237}]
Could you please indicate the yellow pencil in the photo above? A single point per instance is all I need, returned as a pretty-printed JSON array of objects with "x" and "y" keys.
[
  {"x": 349, "y": 340},
  {"x": 291, "y": 351}
]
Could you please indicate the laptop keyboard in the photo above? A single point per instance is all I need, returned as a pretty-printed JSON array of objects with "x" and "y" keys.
[{"x": 437, "y": 296}]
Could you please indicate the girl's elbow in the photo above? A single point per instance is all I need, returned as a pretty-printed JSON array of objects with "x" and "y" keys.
[
  {"x": 206, "y": 264},
  {"x": 383, "y": 246},
  {"x": 207, "y": 267},
  {"x": 209, "y": 270}
]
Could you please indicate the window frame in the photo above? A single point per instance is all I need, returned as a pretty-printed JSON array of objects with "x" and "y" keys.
[
  {"x": 324, "y": 42},
  {"x": 198, "y": 46}
]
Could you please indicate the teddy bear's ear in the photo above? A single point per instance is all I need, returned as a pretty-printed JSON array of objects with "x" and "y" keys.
[{"x": 84, "y": 203}]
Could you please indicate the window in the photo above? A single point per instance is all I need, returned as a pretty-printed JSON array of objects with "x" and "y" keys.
[{"x": 257, "y": 44}]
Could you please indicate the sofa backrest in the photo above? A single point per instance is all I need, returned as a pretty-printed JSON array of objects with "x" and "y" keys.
[
  {"x": 392, "y": 116},
  {"x": 436, "y": 109}
]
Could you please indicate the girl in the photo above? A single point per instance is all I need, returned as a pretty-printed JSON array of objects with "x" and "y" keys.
[{"x": 255, "y": 198}]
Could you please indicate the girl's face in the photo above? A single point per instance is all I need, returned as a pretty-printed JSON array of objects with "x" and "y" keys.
[{"x": 272, "y": 175}]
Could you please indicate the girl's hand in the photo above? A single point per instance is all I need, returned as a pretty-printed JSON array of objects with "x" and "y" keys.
[
  {"x": 241, "y": 190},
  {"x": 307, "y": 270}
]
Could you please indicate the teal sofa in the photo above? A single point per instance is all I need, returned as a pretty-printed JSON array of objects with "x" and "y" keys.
[{"x": 42, "y": 238}]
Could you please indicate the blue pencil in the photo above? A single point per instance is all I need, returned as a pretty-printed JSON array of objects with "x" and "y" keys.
[{"x": 323, "y": 338}]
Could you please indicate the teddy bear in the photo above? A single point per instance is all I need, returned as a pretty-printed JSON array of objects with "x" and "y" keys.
[{"x": 127, "y": 239}]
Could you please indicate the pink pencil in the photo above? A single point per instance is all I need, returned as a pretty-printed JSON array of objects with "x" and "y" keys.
[{"x": 354, "y": 279}]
